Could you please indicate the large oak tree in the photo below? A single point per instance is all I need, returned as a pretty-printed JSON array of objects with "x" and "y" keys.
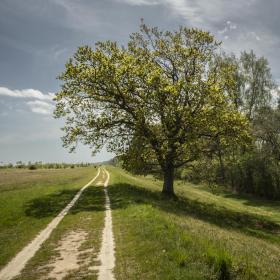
[{"x": 167, "y": 91}]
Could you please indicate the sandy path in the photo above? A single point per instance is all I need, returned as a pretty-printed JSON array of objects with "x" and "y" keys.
[
  {"x": 106, "y": 255},
  {"x": 68, "y": 255},
  {"x": 14, "y": 267}
]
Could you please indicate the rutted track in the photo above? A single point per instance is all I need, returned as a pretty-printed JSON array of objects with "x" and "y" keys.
[
  {"x": 14, "y": 267},
  {"x": 107, "y": 252}
]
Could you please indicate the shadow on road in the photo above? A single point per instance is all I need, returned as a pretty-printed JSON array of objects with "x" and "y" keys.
[{"x": 92, "y": 199}]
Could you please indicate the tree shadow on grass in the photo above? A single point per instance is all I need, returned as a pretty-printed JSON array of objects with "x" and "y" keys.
[
  {"x": 251, "y": 200},
  {"x": 123, "y": 195},
  {"x": 92, "y": 199},
  {"x": 246, "y": 198}
]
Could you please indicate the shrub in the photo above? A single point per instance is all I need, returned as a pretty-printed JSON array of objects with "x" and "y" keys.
[{"x": 32, "y": 167}]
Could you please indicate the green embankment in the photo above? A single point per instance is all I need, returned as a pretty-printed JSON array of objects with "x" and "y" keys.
[{"x": 200, "y": 235}]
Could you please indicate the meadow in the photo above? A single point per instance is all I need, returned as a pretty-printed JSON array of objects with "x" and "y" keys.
[
  {"x": 30, "y": 199},
  {"x": 200, "y": 234}
]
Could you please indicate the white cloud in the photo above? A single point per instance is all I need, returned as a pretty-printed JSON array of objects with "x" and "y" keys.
[
  {"x": 40, "y": 107},
  {"x": 40, "y": 103},
  {"x": 26, "y": 93},
  {"x": 200, "y": 13},
  {"x": 178, "y": 7}
]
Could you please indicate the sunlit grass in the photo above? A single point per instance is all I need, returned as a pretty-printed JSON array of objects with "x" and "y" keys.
[{"x": 200, "y": 235}]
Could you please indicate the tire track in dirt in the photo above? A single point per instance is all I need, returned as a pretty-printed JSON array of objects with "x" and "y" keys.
[{"x": 107, "y": 253}]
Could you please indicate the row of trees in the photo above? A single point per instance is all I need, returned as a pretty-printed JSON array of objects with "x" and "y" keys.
[
  {"x": 255, "y": 168},
  {"x": 40, "y": 165},
  {"x": 170, "y": 101}
]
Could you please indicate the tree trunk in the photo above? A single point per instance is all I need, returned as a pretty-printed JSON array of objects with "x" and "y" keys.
[
  {"x": 222, "y": 166},
  {"x": 168, "y": 188},
  {"x": 221, "y": 161}
]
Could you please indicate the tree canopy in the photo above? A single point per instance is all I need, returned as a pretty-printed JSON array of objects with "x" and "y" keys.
[{"x": 167, "y": 91}]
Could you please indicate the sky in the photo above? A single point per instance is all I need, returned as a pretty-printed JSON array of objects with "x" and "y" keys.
[{"x": 37, "y": 37}]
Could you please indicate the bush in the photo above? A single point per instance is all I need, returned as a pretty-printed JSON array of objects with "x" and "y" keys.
[
  {"x": 32, "y": 167},
  {"x": 253, "y": 173}
]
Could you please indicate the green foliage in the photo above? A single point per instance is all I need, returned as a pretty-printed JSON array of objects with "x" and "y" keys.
[
  {"x": 40, "y": 165},
  {"x": 252, "y": 172},
  {"x": 256, "y": 83},
  {"x": 167, "y": 90},
  {"x": 252, "y": 169},
  {"x": 32, "y": 167}
]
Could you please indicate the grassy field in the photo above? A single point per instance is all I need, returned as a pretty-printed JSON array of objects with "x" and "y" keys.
[
  {"x": 29, "y": 200},
  {"x": 200, "y": 235}
]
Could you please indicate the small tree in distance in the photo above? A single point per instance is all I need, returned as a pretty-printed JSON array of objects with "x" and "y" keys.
[{"x": 167, "y": 91}]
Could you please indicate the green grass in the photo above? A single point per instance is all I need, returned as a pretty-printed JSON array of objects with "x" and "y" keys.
[
  {"x": 200, "y": 235},
  {"x": 29, "y": 200}
]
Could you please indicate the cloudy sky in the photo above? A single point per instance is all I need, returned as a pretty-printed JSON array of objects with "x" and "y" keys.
[{"x": 38, "y": 36}]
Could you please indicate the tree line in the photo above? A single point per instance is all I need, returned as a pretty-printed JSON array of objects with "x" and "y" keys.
[
  {"x": 254, "y": 168},
  {"x": 40, "y": 165}
]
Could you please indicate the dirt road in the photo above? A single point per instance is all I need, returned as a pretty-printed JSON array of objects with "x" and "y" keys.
[{"x": 106, "y": 255}]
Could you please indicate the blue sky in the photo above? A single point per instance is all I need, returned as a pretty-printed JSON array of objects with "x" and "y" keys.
[{"x": 38, "y": 36}]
